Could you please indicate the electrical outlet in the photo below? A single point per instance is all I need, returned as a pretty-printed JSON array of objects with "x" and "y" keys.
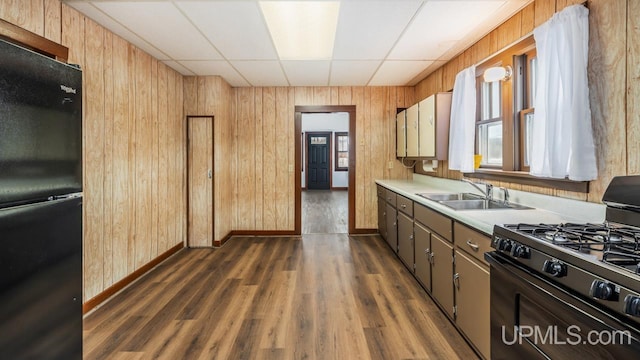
[
  {"x": 290, "y": 168},
  {"x": 390, "y": 164}
]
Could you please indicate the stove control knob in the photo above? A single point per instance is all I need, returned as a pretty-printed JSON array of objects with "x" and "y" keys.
[
  {"x": 602, "y": 290},
  {"x": 504, "y": 244},
  {"x": 520, "y": 251},
  {"x": 632, "y": 305},
  {"x": 555, "y": 268}
]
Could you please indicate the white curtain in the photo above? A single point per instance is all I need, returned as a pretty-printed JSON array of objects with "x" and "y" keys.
[
  {"x": 563, "y": 139},
  {"x": 462, "y": 126}
]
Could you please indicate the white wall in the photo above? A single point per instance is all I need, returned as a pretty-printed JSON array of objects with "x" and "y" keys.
[{"x": 331, "y": 122}]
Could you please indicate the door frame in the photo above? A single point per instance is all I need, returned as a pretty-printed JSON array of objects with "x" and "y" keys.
[
  {"x": 313, "y": 109},
  {"x": 188, "y": 164},
  {"x": 306, "y": 155}
]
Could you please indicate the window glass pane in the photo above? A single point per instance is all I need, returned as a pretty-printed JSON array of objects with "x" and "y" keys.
[
  {"x": 528, "y": 131},
  {"x": 533, "y": 68},
  {"x": 490, "y": 143},
  {"x": 495, "y": 99},
  {"x": 343, "y": 160},
  {"x": 486, "y": 101}
]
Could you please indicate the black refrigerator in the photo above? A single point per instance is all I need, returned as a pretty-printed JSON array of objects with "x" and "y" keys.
[{"x": 40, "y": 206}]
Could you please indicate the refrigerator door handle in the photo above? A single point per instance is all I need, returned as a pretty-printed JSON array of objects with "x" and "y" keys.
[{"x": 65, "y": 196}]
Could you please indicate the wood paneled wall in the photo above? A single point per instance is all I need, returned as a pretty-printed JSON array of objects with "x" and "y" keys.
[
  {"x": 212, "y": 96},
  {"x": 134, "y": 143},
  {"x": 264, "y": 149},
  {"x": 614, "y": 81}
]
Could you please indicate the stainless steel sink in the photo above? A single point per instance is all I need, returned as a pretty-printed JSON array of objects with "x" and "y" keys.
[
  {"x": 481, "y": 204},
  {"x": 448, "y": 197},
  {"x": 469, "y": 201}
]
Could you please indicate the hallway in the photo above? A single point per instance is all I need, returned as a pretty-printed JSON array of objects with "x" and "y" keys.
[{"x": 325, "y": 212}]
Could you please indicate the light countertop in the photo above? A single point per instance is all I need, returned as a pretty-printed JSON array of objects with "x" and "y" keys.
[{"x": 545, "y": 209}]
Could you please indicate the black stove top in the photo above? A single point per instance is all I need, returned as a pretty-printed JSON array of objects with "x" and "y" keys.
[{"x": 610, "y": 243}]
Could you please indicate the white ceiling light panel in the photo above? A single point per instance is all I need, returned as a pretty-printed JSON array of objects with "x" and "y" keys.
[
  {"x": 302, "y": 30},
  {"x": 162, "y": 25},
  {"x": 236, "y": 28}
]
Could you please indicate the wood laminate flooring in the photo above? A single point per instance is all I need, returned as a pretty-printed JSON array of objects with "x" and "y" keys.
[
  {"x": 325, "y": 212},
  {"x": 314, "y": 297}
]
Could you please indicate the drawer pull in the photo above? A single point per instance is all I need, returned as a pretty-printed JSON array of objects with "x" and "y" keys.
[
  {"x": 403, "y": 206},
  {"x": 456, "y": 280},
  {"x": 475, "y": 247}
]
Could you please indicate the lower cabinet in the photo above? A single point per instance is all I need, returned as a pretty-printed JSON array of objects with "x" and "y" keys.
[
  {"x": 442, "y": 273},
  {"x": 392, "y": 227},
  {"x": 472, "y": 301},
  {"x": 382, "y": 217},
  {"x": 405, "y": 240},
  {"x": 422, "y": 255}
]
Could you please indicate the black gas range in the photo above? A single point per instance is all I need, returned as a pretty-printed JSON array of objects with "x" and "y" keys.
[{"x": 569, "y": 277}]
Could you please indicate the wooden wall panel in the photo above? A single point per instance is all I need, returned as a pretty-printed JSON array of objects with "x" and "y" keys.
[
  {"x": 561, "y": 4},
  {"x": 258, "y": 177},
  {"x": 528, "y": 19},
  {"x": 246, "y": 169},
  {"x": 544, "y": 9},
  {"x": 281, "y": 166},
  {"x": 508, "y": 32},
  {"x": 633, "y": 88},
  {"x": 108, "y": 150},
  {"x": 52, "y": 20},
  {"x": 270, "y": 138},
  {"x": 28, "y": 14},
  {"x": 607, "y": 76}
]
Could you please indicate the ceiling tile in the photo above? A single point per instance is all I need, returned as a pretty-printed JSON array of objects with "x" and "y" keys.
[
  {"x": 216, "y": 67},
  {"x": 164, "y": 26},
  {"x": 179, "y": 68},
  {"x": 307, "y": 73},
  {"x": 397, "y": 72},
  {"x": 261, "y": 73},
  {"x": 103, "y": 19},
  {"x": 236, "y": 28},
  {"x": 439, "y": 24},
  {"x": 352, "y": 72},
  {"x": 368, "y": 29}
]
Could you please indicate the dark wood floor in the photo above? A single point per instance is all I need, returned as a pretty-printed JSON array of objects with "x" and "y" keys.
[
  {"x": 315, "y": 297},
  {"x": 325, "y": 212}
]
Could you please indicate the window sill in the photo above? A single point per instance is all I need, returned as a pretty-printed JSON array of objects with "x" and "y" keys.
[{"x": 519, "y": 177}]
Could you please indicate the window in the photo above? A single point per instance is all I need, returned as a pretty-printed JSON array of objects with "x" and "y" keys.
[
  {"x": 502, "y": 124},
  {"x": 342, "y": 151}
]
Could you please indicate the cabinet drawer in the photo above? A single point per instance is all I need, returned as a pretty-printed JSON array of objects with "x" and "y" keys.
[
  {"x": 390, "y": 197},
  {"x": 471, "y": 241},
  {"x": 433, "y": 220},
  {"x": 381, "y": 191},
  {"x": 405, "y": 205}
]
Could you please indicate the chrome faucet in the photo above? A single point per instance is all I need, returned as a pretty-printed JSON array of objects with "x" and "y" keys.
[
  {"x": 488, "y": 192},
  {"x": 506, "y": 195}
]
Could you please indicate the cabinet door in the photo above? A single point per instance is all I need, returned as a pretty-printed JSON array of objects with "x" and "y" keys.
[
  {"x": 427, "y": 127},
  {"x": 422, "y": 238},
  {"x": 382, "y": 217},
  {"x": 392, "y": 228},
  {"x": 472, "y": 301},
  {"x": 405, "y": 240},
  {"x": 442, "y": 273},
  {"x": 401, "y": 134},
  {"x": 412, "y": 130}
]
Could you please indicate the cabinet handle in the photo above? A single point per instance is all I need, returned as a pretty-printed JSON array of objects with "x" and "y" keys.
[
  {"x": 431, "y": 257},
  {"x": 426, "y": 251},
  {"x": 475, "y": 247},
  {"x": 456, "y": 280},
  {"x": 403, "y": 206}
]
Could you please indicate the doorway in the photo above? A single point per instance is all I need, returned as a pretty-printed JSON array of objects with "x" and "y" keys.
[
  {"x": 200, "y": 181},
  {"x": 318, "y": 161},
  {"x": 299, "y": 168}
]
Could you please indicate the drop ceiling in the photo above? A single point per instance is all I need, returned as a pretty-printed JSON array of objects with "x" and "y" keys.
[{"x": 377, "y": 43}]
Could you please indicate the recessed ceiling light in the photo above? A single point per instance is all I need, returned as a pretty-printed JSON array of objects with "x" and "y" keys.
[{"x": 302, "y": 30}]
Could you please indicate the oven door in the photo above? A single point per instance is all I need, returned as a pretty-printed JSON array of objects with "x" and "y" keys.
[{"x": 531, "y": 318}]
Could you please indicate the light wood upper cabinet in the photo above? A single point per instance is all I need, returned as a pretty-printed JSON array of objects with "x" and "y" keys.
[
  {"x": 412, "y": 131},
  {"x": 433, "y": 124},
  {"x": 401, "y": 134},
  {"x": 423, "y": 129}
]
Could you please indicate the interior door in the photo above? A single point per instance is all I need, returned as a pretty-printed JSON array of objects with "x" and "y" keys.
[
  {"x": 200, "y": 153},
  {"x": 319, "y": 168}
]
